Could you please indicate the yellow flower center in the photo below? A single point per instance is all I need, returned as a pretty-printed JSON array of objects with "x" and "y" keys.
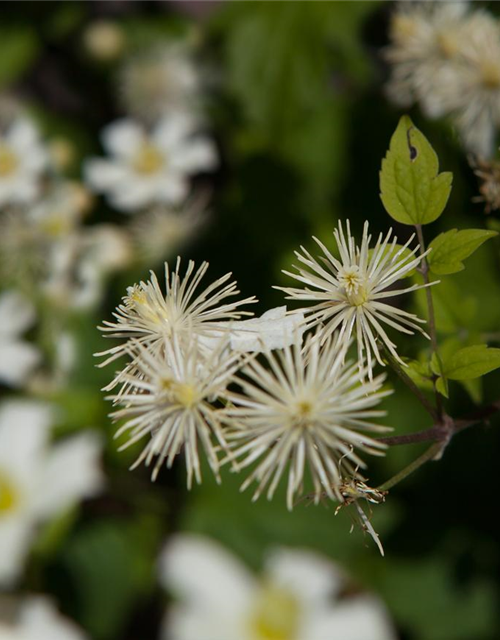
[
  {"x": 402, "y": 28},
  {"x": 8, "y": 161},
  {"x": 9, "y": 496},
  {"x": 139, "y": 301},
  {"x": 448, "y": 45},
  {"x": 353, "y": 284},
  {"x": 490, "y": 75},
  {"x": 276, "y": 615},
  {"x": 56, "y": 225},
  {"x": 185, "y": 394},
  {"x": 148, "y": 160}
]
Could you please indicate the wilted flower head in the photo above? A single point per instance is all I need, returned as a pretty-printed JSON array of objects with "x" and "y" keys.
[
  {"x": 36, "y": 618},
  {"x": 170, "y": 399},
  {"x": 23, "y": 158},
  {"x": 308, "y": 410},
  {"x": 150, "y": 168},
  {"x": 160, "y": 80},
  {"x": 149, "y": 315},
  {"x": 297, "y": 595},
  {"x": 349, "y": 293},
  {"x": 38, "y": 480}
]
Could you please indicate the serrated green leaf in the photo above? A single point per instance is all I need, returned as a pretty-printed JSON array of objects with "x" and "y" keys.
[
  {"x": 411, "y": 189},
  {"x": 471, "y": 362},
  {"x": 449, "y": 249}
]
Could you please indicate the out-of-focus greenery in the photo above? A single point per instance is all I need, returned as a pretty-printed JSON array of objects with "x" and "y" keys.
[{"x": 299, "y": 114}]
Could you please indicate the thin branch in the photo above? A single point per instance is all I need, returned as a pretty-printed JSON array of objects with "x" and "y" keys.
[
  {"x": 429, "y": 454},
  {"x": 430, "y": 307}
]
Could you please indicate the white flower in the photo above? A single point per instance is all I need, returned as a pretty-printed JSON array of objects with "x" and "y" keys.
[
  {"x": 306, "y": 410},
  {"x": 22, "y": 161},
  {"x": 38, "y": 619},
  {"x": 150, "y": 169},
  {"x": 149, "y": 315},
  {"x": 350, "y": 293},
  {"x": 426, "y": 41},
  {"x": 160, "y": 80},
  {"x": 298, "y": 595},
  {"x": 170, "y": 398},
  {"x": 38, "y": 480},
  {"x": 18, "y": 358},
  {"x": 475, "y": 94}
]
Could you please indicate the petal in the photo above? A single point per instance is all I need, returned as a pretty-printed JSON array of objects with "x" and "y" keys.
[
  {"x": 173, "y": 129},
  {"x": 123, "y": 138},
  {"x": 204, "y": 574},
  {"x": 40, "y": 620},
  {"x": 24, "y": 432},
  {"x": 103, "y": 175},
  {"x": 309, "y": 576},
  {"x": 17, "y": 313},
  {"x": 71, "y": 473},
  {"x": 197, "y": 154},
  {"x": 17, "y": 362},
  {"x": 23, "y": 135},
  {"x": 16, "y": 533},
  {"x": 360, "y": 618},
  {"x": 274, "y": 330}
]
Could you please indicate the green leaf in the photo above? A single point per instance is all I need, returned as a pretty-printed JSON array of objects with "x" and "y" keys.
[
  {"x": 411, "y": 189},
  {"x": 449, "y": 249},
  {"x": 472, "y": 362},
  {"x": 442, "y": 387}
]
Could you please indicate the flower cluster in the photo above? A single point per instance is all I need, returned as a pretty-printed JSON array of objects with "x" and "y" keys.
[
  {"x": 155, "y": 151},
  {"x": 257, "y": 391},
  {"x": 446, "y": 57}
]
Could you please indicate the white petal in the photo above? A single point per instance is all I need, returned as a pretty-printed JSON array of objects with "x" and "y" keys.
[
  {"x": 17, "y": 313},
  {"x": 17, "y": 361},
  {"x": 103, "y": 175},
  {"x": 274, "y": 330},
  {"x": 123, "y": 138},
  {"x": 172, "y": 189},
  {"x": 172, "y": 129},
  {"x": 203, "y": 573},
  {"x": 198, "y": 154},
  {"x": 16, "y": 533},
  {"x": 39, "y": 620},
  {"x": 22, "y": 135},
  {"x": 71, "y": 473},
  {"x": 310, "y": 577},
  {"x": 24, "y": 432},
  {"x": 189, "y": 623},
  {"x": 360, "y": 618}
]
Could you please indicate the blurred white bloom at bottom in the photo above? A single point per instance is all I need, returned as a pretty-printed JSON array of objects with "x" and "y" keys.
[
  {"x": 38, "y": 481},
  {"x": 298, "y": 597},
  {"x": 38, "y": 619},
  {"x": 17, "y": 357}
]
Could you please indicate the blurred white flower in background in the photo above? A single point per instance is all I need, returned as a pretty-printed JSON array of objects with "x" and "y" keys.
[
  {"x": 18, "y": 358},
  {"x": 38, "y": 480},
  {"x": 160, "y": 80},
  {"x": 298, "y": 596},
  {"x": 147, "y": 169},
  {"x": 446, "y": 57},
  {"x": 36, "y": 618},
  {"x": 161, "y": 233},
  {"x": 23, "y": 158}
]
